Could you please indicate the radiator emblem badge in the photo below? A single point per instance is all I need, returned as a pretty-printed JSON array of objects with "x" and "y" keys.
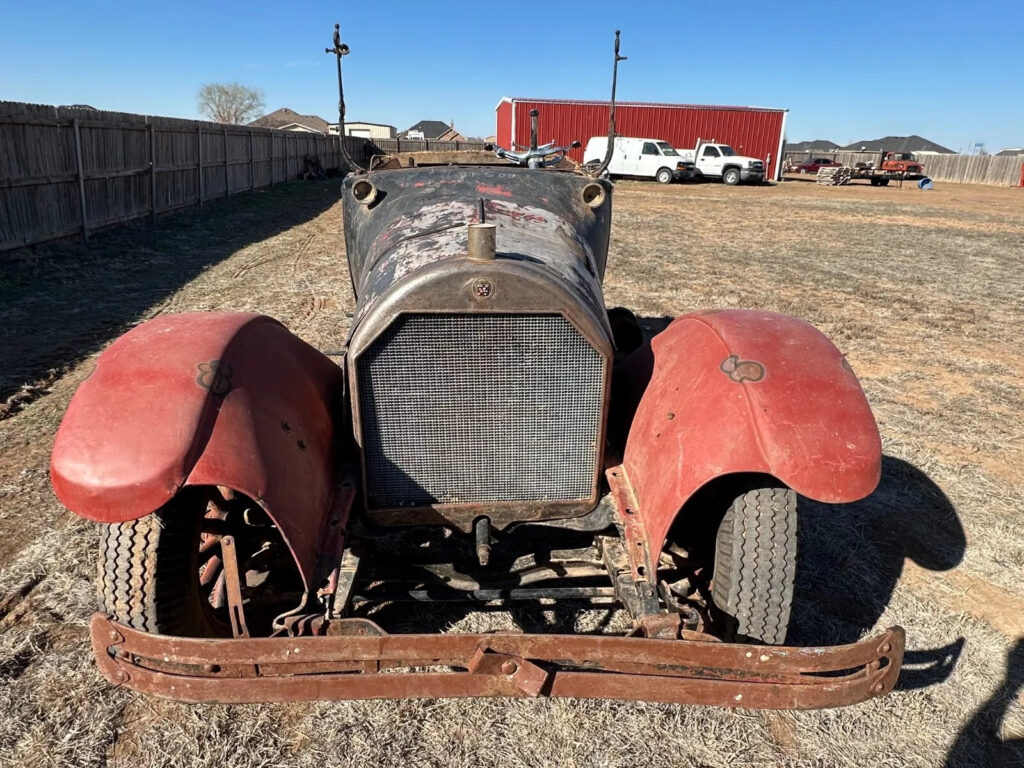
[{"x": 483, "y": 289}]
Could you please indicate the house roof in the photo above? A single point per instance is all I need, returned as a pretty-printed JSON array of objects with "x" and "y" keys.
[
  {"x": 451, "y": 135},
  {"x": 365, "y": 122},
  {"x": 282, "y": 117},
  {"x": 431, "y": 128},
  {"x": 913, "y": 143},
  {"x": 822, "y": 145},
  {"x": 1010, "y": 152}
]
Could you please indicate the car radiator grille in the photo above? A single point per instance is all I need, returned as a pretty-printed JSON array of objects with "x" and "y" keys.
[{"x": 471, "y": 408}]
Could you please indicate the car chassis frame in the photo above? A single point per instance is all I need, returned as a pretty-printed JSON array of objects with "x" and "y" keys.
[{"x": 323, "y": 656}]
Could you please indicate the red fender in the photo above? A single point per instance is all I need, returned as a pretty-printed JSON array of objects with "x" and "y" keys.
[
  {"x": 743, "y": 391},
  {"x": 217, "y": 398}
]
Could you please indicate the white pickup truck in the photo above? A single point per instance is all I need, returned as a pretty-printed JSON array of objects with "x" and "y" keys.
[
  {"x": 645, "y": 158},
  {"x": 720, "y": 161}
]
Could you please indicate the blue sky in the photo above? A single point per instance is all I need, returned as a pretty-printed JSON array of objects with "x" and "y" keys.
[{"x": 950, "y": 71}]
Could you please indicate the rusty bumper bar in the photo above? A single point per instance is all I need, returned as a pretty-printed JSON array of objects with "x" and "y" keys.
[{"x": 568, "y": 666}]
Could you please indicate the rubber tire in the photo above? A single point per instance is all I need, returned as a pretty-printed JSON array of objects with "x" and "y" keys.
[
  {"x": 149, "y": 573},
  {"x": 664, "y": 176},
  {"x": 731, "y": 173},
  {"x": 755, "y": 565}
]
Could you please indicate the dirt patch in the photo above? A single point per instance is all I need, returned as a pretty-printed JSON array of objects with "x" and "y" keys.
[{"x": 966, "y": 593}]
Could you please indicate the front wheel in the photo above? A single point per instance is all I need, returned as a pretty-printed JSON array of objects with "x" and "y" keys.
[
  {"x": 755, "y": 565},
  {"x": 664, "y": 176},
  {"x": 164, "y": 574},
  {"x": 731, "y": 177}
]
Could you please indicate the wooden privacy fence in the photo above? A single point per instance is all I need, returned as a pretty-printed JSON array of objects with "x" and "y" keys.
[
  {"x": 974, "y": 169},
  {"x": 964, "y": 169},
  {"x": 67, "y": 171},
  {"x": 362, "y": 153}
]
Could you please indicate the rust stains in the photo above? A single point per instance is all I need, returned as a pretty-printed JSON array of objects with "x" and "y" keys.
[{"x": 497, "y": 189}]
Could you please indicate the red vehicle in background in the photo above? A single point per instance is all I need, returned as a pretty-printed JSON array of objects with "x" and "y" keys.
[
  {"x": 812, "y": 166},
  {"x": 902, "y": 162},
  {"x": 889, "y": 166}
]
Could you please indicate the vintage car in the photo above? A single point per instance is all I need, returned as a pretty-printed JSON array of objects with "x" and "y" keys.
[{"x": 486, "y": 431}]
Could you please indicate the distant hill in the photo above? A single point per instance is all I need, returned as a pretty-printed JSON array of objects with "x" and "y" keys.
[
  {"x": 818, "y": 145},
  {"x": 913, "y": 143}
]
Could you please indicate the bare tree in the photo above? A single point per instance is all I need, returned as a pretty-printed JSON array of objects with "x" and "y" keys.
[{"x": 230, "y": 102}]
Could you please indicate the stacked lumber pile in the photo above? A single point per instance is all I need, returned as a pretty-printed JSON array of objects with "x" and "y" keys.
[{"x": 834, "y": 177}]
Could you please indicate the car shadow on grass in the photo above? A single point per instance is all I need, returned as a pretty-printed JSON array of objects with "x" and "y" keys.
[
  {"x": 979, "y": 741},
  {"x": 60, "y": 303},
  {"x": 852, "y": 555}
]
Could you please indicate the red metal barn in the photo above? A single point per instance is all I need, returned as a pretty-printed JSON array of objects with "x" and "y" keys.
[{"x": 751, "y": 131}]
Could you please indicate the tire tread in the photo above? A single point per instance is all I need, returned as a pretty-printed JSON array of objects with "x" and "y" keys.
[
  {"x": 755, "y": 564},
  {"x": 146, "y": 571}
]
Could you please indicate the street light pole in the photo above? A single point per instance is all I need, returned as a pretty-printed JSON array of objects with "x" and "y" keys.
[{"x": 339, "y": 49}]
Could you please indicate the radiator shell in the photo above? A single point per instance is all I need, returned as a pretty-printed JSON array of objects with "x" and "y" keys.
[{"x": 407, "y": 256}]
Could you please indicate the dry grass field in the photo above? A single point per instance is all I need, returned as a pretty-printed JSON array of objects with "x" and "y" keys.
[{"x": 924, "y": 292}]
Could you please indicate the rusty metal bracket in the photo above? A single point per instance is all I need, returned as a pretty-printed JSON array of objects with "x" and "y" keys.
[
  {"x": 519, "y": 673},
  {"x": 346, "y": 581},
  {"x": 233, "y": 583},
  {"x": 330, "y": 563},
  {"x": 642, "y": 557},
  {"x": 345, "y": 665},
  {"x": 636, "y": 594},
  {"x": 664, "y": 625}
]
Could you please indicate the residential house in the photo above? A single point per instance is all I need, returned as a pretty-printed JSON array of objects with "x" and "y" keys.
[
  {"x": 432, "y": 130},
  {"x": 289, "y": 120}
]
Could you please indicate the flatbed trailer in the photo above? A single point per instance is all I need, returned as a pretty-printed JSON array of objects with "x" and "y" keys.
[{"x": 890, "y": 166}]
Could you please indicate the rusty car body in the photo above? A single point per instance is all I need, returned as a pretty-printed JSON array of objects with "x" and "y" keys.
[{"x": 487, "y": 432}]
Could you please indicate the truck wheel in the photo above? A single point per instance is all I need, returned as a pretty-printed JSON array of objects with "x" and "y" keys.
[
  {"x": 755, "y": 565},
  {"x": 664, "y": 176},
  {"x": 883, "y": 182},
  {"x": 731, "y": 176},
  {"x": 149, "y": 571}
]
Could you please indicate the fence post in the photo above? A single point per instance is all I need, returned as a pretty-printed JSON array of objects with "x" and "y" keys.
[
  {"x": 152, "y": 170},
  {"x": 227, "y": 179},
  {"x": 273, "y": 159},
  {"x": 81, "y": 178},
  {"x": 199, "y": 160},
  {"x": 252, "y": 162}
]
